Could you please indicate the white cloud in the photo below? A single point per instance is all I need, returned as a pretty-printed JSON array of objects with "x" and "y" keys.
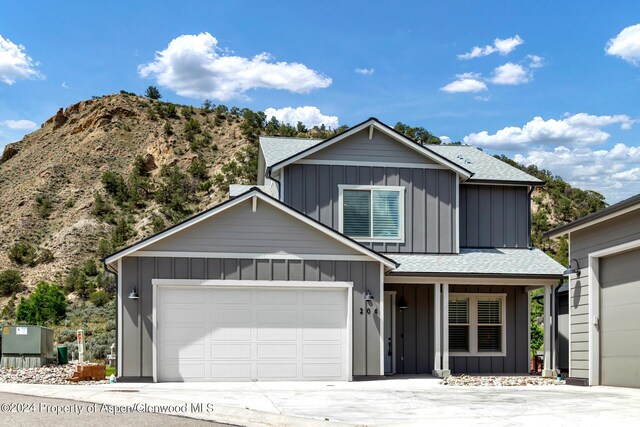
[
  {"x": 482, "y": 98},
  {"x": 615, "y": 172},
  {"x": 195, "y": 67},
  {"x": 65, "y": 85},
  {"x": 445, "y": 139},
  {"x": 575, "y": 130},
  {"x": 626, "y": 45},
  {"x": 535, "y": 61},
  {"x": 15, "y": 64},
  {"x": 467, "y": 82},
  {"x": 501, "y": 46},
  {"x": 510, "y": 74},
  {"x": 365, "y": 71},
  {"x": 19, "y": 124},
  {"x": 309, "y": 116}
]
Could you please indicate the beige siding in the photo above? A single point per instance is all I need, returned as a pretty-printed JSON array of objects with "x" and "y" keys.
[
  {"x": 240, "y": 230},
  {"x": 622, "y": 229},
  {"x": 381, "y": 148}
]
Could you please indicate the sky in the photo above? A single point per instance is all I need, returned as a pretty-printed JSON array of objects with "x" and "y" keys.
[{"x": 550, "y": 83}]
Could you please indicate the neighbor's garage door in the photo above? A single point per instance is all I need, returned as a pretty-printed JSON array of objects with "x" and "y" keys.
[
  {"x": 620, "y": 320},
  {"x": 244, "y": 334}
]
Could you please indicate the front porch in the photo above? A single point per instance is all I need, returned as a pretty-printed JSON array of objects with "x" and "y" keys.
[{"x": 462, "y": 325}]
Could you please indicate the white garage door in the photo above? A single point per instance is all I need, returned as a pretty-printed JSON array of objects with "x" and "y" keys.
[{"x": 249, "y": 334}]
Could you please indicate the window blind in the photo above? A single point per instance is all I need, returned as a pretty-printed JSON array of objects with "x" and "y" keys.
[
  {"x": 356, "y": 213},
  {"x": 386, "y": 213},
  {"x": 489, "y": 325},
  {"x": 459, "y": 324}
]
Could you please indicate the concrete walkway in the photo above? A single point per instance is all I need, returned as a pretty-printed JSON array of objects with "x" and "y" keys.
[{"x": 420, "y": 401}]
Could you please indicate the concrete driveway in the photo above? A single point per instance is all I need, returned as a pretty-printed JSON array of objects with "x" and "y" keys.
[{"x": 420, "y": 401}]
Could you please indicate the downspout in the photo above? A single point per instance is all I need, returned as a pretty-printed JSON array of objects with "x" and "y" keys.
[
  {"x": 529, "y": 243},
  {"x": 115, "y": 273}
]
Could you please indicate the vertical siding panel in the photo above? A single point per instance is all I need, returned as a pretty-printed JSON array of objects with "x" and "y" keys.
[
  {"x": 377, "y": 175},
  {"x": 181, "y": 268},
  {"x": 324, "y": 194},
  {"x": 522, "y": 330},
  {"x": 198, "y": 268},
  {"x": 164, "y": 268},
  {"x": 374, "y": 327},
  {"x": 359, "y": 320},
  {"x": 418, "y": 226},
  {"x": 311, "y": 271},
  {"x": 310, "y": 192},
  {"x": 351, "y": 175},
  {"x": 484, "y": 216},
  {"x": 295, "y": 269},
  {"x": 326, "y": 271},
  {"x": 147, "y": 267},
  {"x": 405, "y": 181},
  {"x": 444, "y": 211},
  {"x": 231, "y": 269},
  {"x": 247, "y": 269},
  {"x": 422, "y": 327},
  {"x": 337, "y": 178},
  {"x": 297, "y": 177},
  {"x": 130, "y": 321},
  {"x": 432, "y": 210},
  {"x": 463, "y": 215},
  {"x": 497, "y": 217},
  {"x": 509, "y": 217},
  {"x": 342, "y": 273},
  {"x": 364, "y": 175},
  {"x": 410, "y": 332},
  {"x": 263, "y": 269},
  {"x": 214, "y": 269},
  {"x": 522, "y": 214},
  {"x": 279, "y": 269},
  {"x": 472, "y": 217}
]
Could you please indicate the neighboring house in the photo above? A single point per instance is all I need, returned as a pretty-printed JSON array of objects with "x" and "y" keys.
[
  {"x": 354, "y": 257},
  {"x": 604, "y": 296}
]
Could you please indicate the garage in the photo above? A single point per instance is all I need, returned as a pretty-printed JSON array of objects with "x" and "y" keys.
[
  {"x": 620, "y": 320},
  {"x": 237, "y": 332}
]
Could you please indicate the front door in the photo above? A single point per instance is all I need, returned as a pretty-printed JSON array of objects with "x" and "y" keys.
[{"x": 389, "y": 335}]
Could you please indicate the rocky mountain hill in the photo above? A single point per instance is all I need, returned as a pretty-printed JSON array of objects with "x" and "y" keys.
[{"x": 107, "y": 171}]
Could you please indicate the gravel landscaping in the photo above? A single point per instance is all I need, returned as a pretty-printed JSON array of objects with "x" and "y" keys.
[
  {"x": 499, "y": 381},
  {"x": 49, "y": 374}
]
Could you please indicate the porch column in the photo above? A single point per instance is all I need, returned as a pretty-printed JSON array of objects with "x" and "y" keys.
[
  {"x": 445, "y": 330},
  {"x": 547, "y": 370},
  {"x": 437, "y": 308}
]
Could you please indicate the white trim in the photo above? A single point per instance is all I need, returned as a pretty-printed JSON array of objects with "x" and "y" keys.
[
  {"x": 394, "y": 319},
  {"x": 234, "y": 255},
  {"x": 281, "y": 178},
  {"x": 437, "y": 317},
  {"x": 570, "y": 281},
  {"x": 192, "y": 283},
  {"x": 473, "y": 324},
  {"x": 371, "y": 164},
  {"x": 238, "y": 200},
  {"x": 250, "y": 283},
  {"x": 445, "y": 331},
  {"x": 503, "y": 183},
  {"x": 529, "y": 328},
  {"x": 120, "y": 316},
  {"x": 401, "y": 211},
  {"x": 370, "y": 132},
  {"x": 616, "y": 249},
  {"x": 596, "y": 220},
  {"x": 547, "y": 325},
  {"x": 400, "y": 138},
  {"x": 254, "y": 204}
]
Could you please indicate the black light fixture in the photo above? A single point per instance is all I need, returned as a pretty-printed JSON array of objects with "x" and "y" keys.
[
  {"x": 402, "y": 303},
  {"x": 368, "y": 296},
  {"x": 570, "y": 270},
  {"x": 134, "y": 294}
]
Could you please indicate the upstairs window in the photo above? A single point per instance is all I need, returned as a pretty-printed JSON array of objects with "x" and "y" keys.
[
  {"x": 476, "y": 325},
  {"x": 372, "y": 213}
]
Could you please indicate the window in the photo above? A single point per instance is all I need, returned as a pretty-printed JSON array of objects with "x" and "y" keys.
[
  {"x": 476, "y": 325},
  {"x": 372, "y": 213}
]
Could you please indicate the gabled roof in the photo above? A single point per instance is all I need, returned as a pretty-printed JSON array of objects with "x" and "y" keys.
[
  {"x": 485, "y": 167},
  {"x": 373, "y": 122},
  {"x": 478, "y": 165},
  {"x": 627, "y": 205},
  {"x": 481, "y": 262},
  {"x": 253, "y": 192}
]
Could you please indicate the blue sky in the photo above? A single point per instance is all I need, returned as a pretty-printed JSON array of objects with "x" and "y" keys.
[{"x": 554, "y": 83}]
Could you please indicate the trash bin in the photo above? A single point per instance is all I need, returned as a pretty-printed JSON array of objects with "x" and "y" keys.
[{"x": 63, "y": 355}]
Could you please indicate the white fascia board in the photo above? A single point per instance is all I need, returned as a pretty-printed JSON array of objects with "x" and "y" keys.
[
  {"x": 400, "y": 138},
  {"x": 278, "y": 205}
]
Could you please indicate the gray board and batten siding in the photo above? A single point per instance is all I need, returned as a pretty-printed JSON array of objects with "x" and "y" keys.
[
  {"x": 494, "y": 216},
  {"x": 430, "y": 201},
  {"x": 137, "y": 326},
  {"x": 616, "y": 231}
]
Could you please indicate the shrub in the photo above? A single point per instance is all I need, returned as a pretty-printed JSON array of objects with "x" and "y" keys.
[
  {"x": 46, "y": 306},
  {"x": 198, "y": 169},
  {"x": 8, "y": 314},
  {"x": 121, "y": 233},
  {"x": 76, "y": 281},
  {"x": 176, "y": 189},
  {"x": 115, "y": 185},
  {"x": 10, "y": 282},
  {"x": 152, "y": 92},
  {"x": 45, "y": 256},
  {"x": 158, "y": 224},
  {"x": 23, "y": 253},
  {"x": 172, "y": 111},
  {"x": 99, "y": 298},
  {"x": 101, "y": 208},
  {"x": 104, "y": 248},
  {"x": 107, "y": 282},
  {"x": 44, "y": 205},
  {"x": 191, "y": 129},
  {"x": 69, "y": 203},
  {"x": 168, "y": 130},
  {"x": 89, "y": 268}
]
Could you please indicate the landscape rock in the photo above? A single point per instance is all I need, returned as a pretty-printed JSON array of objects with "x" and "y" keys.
[
  {"x": 48, "y": 374},
  {"x": 499, "y": 381},
  {"x": 9, "y": 152},
  {"x": 149, "y": 163}
]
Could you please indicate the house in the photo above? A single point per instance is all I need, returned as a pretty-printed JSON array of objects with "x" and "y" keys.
[
  {"x": 604, "y": 296},
  {"x": 363, "y": 255}
]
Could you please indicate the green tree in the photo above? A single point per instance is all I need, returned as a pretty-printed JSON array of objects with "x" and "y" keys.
[
  {"x": 23, "y": 253},
  {"x": 99, "y": 298},
  {"x": 152, "y": 92},
  {"x": 78, "y": 282},
  {"x": 47, "y": 306},
  {"x": 10, "y": 282}
]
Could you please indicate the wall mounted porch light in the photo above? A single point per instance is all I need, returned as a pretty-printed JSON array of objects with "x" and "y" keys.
[
  {"x": 134, "y": 294},
  {"x": 368, "y": 296},
  {"x": 402, "y": 303},
  {"x": 570, "y": 270}
]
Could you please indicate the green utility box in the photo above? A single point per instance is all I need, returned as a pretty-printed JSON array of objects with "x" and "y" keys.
[{"x": 26, "y": 346}]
